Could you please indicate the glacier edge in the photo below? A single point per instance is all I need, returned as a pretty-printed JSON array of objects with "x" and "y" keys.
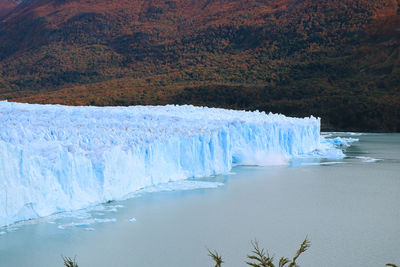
[{"x": 58, "y": 158}]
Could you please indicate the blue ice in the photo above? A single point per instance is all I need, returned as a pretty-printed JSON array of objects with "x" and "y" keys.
[{"x": 57, "y": 158}]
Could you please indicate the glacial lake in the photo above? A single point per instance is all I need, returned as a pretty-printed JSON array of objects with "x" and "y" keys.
[{"x": 349, "y": 209}]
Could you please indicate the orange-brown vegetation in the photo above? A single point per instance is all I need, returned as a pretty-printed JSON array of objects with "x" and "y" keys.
[
  {"x": 6, "y": 6},
  {"x": 338, "y": 59}
]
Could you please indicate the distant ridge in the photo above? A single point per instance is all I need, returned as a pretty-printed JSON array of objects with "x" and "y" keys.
[{"x": 337, "y": 59}]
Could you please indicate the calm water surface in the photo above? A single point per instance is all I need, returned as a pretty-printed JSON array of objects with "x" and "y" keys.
[{"x": 350, "y": 211}]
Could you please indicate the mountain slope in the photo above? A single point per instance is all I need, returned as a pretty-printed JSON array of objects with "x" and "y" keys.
[
  {"x": 336, "y": 59},
  {"x": 6, "y": 6}
]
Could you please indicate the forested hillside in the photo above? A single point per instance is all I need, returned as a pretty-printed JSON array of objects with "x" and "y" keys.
[
  {"x": 337, "y": 59},
  {"x": 6, "y": 6}
]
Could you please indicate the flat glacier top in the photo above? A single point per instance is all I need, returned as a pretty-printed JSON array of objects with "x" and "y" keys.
[{"x": 100, "y": 127}]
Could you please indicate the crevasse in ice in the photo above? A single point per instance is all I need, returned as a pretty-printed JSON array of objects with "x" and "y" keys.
[{"x": 57, "y": 158}]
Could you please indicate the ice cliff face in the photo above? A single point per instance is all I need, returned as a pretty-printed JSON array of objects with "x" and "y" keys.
[{"x": 58, "y": 158}]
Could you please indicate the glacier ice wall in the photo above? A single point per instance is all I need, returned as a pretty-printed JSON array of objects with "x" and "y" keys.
[{"x": 57, "y": 158}]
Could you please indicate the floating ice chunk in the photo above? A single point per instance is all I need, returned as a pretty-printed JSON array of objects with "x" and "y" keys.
[
  {"x": 104, "y": 220},
  {"x": 341, "y": 141},
  {"x": 132, "y": 220},
  {"x": 322, "y": 163},
  {"x": 112, "y": 210},
  {"x": 12, "y": 229},
  {"x": 86, "y": 223},
  {"x": 368, "y": 159},
  {"x": 179, "y": 186},
  {"x": 332, "y": 148},
  {"x": 355, "y": 134},
  {"x": 332, "y": 163}
]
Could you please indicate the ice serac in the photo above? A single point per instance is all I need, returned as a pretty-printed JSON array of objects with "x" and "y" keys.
[{"x": 56, "y": 158}]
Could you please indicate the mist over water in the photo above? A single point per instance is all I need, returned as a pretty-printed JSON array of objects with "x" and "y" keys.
[{"x": 348, "y": 208}]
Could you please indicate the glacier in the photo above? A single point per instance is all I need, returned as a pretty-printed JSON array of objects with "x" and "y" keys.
[{"x": 56, "y": 158}]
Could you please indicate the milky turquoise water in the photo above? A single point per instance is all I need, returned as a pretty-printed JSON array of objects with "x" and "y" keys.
[{"x": 349, "y": 209}]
